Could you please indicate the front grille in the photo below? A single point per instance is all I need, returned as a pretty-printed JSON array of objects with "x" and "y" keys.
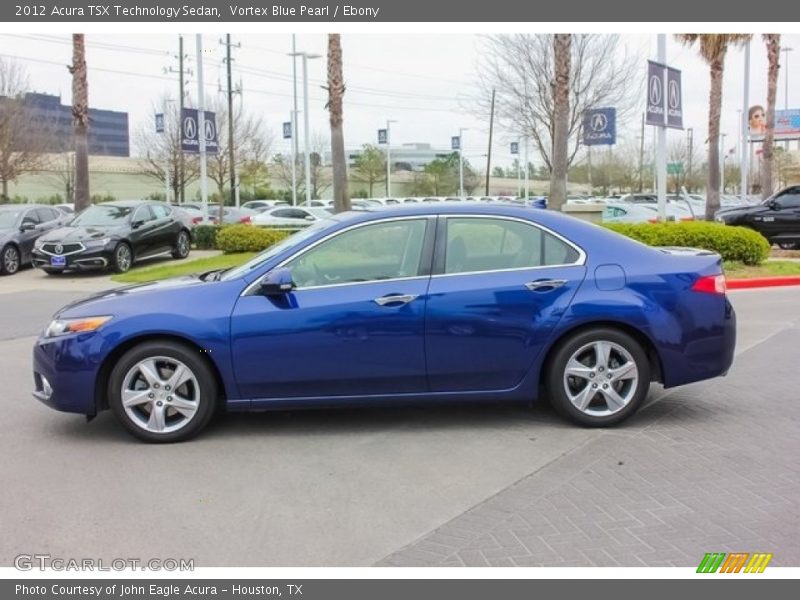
[{"x": 62, "y": 249}]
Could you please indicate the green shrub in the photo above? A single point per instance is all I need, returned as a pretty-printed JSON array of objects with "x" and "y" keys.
[
  {"x": 205, "y": 237},
  {"x": 732, "y": 243},
  {"x": 246, "y": 238}
]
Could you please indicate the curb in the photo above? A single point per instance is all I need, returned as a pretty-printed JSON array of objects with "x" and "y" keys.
[{"x": 761, "y": 282}]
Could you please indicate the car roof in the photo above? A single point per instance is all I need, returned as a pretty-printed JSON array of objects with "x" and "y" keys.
[{"x": 22, "y": 206}]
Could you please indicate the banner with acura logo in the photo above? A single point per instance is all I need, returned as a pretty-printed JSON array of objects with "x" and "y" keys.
[
  {"x": 664, "y": 96},
  {"x": 600, "y": 126}
]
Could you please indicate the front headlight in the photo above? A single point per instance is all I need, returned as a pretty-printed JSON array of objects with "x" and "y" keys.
[
  {"x": 38, "y": 243},
  {"x": 97, "y": 243},
  {"x": 61, "y": 327}
]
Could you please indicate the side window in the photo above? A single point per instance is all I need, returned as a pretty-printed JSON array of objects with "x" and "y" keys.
[
  {"x": 373, "y": 252},
  {"x": 31, "y": 217},
  {"x": 47, "y": 214},
  {"x": 283, "y": 213},
  {"x": 790, "y": 199},
  {"x": 484, "y": 244},
  {"x": 143, "y": 213},
  {"x": 160, "y": 211}
]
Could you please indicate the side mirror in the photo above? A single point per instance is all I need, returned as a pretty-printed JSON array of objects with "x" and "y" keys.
[
  {"x": 137, "y": 224},
  {"x": 774, "y": 204},
  {"x": 309, "y": 218},
  {"x": 27, "y": 226},
  {"x": 277, "y": 282}
]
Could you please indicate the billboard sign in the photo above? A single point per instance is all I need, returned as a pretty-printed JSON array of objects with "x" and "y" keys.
[
  {"x": 600, "y": 126},
  {"x": 191, "y": 130},
  {"x": 787, "y": 123}
]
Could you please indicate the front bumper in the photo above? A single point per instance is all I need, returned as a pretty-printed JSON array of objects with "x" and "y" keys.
[
  {"x": 65, "y": 371},
  {"x": 88, "y": 259}
]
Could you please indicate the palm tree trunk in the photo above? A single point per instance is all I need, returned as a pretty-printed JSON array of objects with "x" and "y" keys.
[
  {"x": 341, "y": 197},
  {"x": 80, "y": 119},
  {"x": 773, "y": 41},
  {"x": 562, "y": 43},
  {"x": 715, "y": 109}
]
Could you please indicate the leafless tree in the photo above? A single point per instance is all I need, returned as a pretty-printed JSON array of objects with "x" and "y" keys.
[
  {"x": 160, "y": 150},
  {"x": 522, "y": 69},
  {"x": 319, "y": 175},
  {"x": 23, "y": 139},
  {"x": 80, "y": 120},
  {"x": 336, "y": 87}
]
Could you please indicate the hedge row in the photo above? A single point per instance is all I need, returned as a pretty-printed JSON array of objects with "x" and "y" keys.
[
  {"x": 732, "y": 243},
  {"x": 246, "y": 238}
]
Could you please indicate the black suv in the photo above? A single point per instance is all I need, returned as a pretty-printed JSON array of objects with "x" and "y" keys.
[{"x": 777, "y": 218}]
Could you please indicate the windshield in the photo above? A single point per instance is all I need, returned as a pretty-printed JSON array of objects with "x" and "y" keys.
[
  {"x": 100, "y": 215},
  {"x": 287, "y": 244},
  {"x": 8, "y": 218}
]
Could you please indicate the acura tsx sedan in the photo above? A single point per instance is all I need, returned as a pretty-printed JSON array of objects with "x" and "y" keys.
[{"x": 418, "y": 303}]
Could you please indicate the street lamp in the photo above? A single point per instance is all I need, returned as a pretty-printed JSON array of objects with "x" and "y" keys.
[
  {"x": 461, "y": 131},
  {"x": 306, "y": 56},
  {"x": 389, "y": 157}
]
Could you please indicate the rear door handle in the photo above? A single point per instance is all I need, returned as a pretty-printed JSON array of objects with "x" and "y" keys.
[
  {"x": 545, "y": 285},
  {"x": 395, "y": 299}
]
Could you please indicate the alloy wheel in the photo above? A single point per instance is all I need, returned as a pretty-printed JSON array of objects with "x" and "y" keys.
[{"x": 10, "y": 260}]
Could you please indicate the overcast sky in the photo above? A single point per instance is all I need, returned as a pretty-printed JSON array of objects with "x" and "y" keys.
[{"x": 421, "y": 81}]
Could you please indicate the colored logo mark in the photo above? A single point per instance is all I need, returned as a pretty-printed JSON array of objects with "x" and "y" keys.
[{"x": 735, "y": 562}]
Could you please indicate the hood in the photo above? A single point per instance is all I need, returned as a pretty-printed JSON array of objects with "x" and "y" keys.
[
  {"x": 79, "y": 234},
  {"x": 137, "y": 288},
  {"x": 731, "y": 210}
]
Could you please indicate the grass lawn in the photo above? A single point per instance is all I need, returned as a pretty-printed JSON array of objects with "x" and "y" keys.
[
  {"x": 186, "y": 267},
  {"x": 770, "y": 268}
]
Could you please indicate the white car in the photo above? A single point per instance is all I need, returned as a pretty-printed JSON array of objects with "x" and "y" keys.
[
  {"x": 290, "y": 216},
  {"x": 262, "y": 205}
]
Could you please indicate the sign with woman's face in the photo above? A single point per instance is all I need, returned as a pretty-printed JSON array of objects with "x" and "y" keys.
[{"x": 756, "y": 121}]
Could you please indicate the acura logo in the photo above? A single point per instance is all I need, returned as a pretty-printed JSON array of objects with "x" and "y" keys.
[
  {"x": 599, "y": 122},
  {"x": 655, "y": 90},
  {"x": 674, "y": 94},
  {"x": 59, "y": 248},
  {"x": 209, "y": 131},
  {"x": 189, "y": 128}
]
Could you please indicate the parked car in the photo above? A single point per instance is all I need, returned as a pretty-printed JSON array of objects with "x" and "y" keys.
[
  {"x": 627, "y": 212},
  {"x": 20, "y": 226},
  {"x": 434, "y": 303},
  {"x": 261, "y": 205},
  {"x": 294, "y": 216},
  {"x": 67, "y": 208},
  {"x": 232, "y": 215},
  {"x": 777, "y": 218},
  {"x": 113, "y": 235}
]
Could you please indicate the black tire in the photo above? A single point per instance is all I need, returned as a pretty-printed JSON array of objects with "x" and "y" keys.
[
  {"x": 788, "y": 245},
  {"x": 206, "y": 399},
  {"x": 599, "y": 412},
  {"x": 123, "y": 258},
  {"x": 183, "y": 245},
  {"x": 10, "y": 260}
]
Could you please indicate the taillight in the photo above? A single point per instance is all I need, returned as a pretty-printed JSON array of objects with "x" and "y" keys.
[
  {"x": 687, "y": 218},
  {"x": 245, "y": 220},
  {"x": 197, "y": 220},
  {"x": 711, "y": 284}
]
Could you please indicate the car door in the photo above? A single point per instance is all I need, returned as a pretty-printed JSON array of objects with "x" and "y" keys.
[
  {"x": 786, "y": 223},
  {"x": 353, "y": 326},
  {"x": 498, "y": 288},
  {"x": 165, "y": 228},
  {"x": 143, "y": 233},
  {"x": 29, "y": 231}
]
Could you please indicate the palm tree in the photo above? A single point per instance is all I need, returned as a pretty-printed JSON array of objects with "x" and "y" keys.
[
  {"x": 80, "y": 119},
  {"x": 773, "y": 41},
  {"x": 713, "y": 48},
  {"x": 341, "y": 197},
  {"x": 562, "y": 48}
]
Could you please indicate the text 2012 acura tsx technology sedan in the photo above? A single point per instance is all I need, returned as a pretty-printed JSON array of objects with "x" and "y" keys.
[
  {"x": 435, "y": 303},
  {"x": 113, "y": 235}
]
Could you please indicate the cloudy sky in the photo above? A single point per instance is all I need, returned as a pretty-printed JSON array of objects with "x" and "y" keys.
[{"x": 421, "y": 81}]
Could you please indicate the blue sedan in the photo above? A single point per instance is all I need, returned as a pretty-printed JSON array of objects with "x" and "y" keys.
[{"x": 426, "y": 302}]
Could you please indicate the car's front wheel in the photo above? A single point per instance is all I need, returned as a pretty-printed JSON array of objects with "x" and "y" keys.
[
  {"x": 788, "y": 245},
  {"x": 162, "y": 392},
  {"x": 123, "y": 258},
  {"x": 9, "y": 260},
  {"x": 598, "y": 377},
  {"x": 183, "y": 245}
]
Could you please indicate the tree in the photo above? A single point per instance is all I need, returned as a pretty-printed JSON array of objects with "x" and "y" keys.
[
  {"x": 713, "y": 47},
  {"x": 442, "y": 174},
  {"x": 61, "y": 171},
  {"x": 80, "y": 120},
  {"x": 499, "y": 172},
  {"x": 370, "y": 166},
  {"x": 23, "y": 139},
  {"x": 560, "y": 161},
  {"x": 320, "y": 176},
  {"x": 773, "y": 42},
  {"x": 522, "y": 65},
  {"x": 254, "y": 175},
  {"x": 341, "y": 195},
  {"x": 160, "y": 150}
]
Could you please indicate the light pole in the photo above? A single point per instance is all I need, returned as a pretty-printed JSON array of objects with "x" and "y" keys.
[
  {"x": 306, "y": 144},
  {"x": 690, "y": 135},
  {"x": 201, "y": 126},
  {"x": 294, "y": 122},
  {"x": 722, "y": 163},
  {"x": 461, "y": 131},
  {"x": 389, "y": 156}
]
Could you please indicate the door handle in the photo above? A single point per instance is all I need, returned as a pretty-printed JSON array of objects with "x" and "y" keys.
[
  {"x": 545, "y": 285},
  {"x": 399, "y": 299}
]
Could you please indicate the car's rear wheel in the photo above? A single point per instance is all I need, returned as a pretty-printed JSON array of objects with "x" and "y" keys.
[
  {"x": 788, "y": 245},
  {"x": 598, "y": 377},
  {"x": 183, "y": 244},
  {"x": 9, "y": 260},
  {"x": 123, "y": 258},
  {"x": 162, "y": 392}
]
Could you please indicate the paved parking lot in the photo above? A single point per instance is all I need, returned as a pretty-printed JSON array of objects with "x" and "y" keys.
[{"x": 709, "y": 467}]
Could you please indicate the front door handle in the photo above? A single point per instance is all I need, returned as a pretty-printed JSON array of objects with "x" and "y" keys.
[
  {"x": 545, "y": 285},
  {"x": 395, "y": 299}
]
